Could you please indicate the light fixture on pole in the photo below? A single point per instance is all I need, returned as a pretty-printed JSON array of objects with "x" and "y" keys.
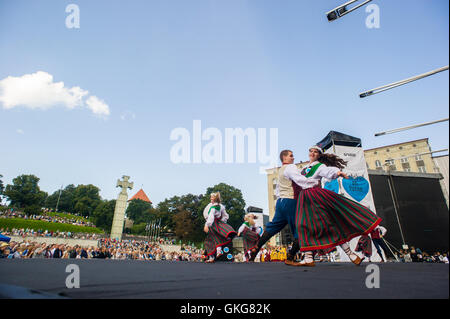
[
  {"x": 342, "y": 10},
  {"x": 59, "y": 196},
  {"x": 390, "y": 181},
  {"x": 410, "y": 127},
  {"x": 402, "y": 82}
]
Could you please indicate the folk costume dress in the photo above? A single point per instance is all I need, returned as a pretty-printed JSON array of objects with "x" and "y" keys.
[
  {"x": 249, "y": 236},
  {"x": 220, "y": 233},
  {"x": 325, "y": 219},
  {"x": 364, "y": 245}
]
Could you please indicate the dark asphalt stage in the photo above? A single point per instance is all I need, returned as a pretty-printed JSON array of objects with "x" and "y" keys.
[{"x": 159, "y": 279}]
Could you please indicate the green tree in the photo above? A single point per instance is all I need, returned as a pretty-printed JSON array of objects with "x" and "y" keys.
[
  {"x": 24, "y": 192},
  {"x": 85, "y": 199},
  {"x": 185, "y": 229},
  {"x": 138, "y": 210},
  {"x": 2, "y": 187},
  {"x": 138, "y": 229},
  {"x": 66, "y": 200},
  {"x": 232, "y": 199},
  {"x": 178, "y": 209},
  {"x": 103, "y": 214}
]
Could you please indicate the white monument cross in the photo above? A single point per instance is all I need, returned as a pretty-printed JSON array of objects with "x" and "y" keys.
[
  {"x": 124, "y": 184},
  {"x": 121, "y": 205}
]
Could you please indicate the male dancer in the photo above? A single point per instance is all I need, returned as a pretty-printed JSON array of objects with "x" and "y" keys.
[
  {"x": 377, "y": 237},
  {"x": 289, "y": 177}
]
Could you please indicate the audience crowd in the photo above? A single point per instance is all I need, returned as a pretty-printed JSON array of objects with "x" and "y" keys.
[
  {"x": 10, "y": 213},
  {"x": 25, "y": 232},
  {"x": 107, "y": 249}
]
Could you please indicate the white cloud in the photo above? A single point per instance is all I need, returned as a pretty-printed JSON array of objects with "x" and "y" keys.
[
  {"x": 97, "y": 106},
  {"x": 127, "y": 114},
  {"x": 38, "y": 91}
]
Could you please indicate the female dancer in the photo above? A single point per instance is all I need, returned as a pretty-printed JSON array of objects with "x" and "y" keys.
[
  {"x": 364, "y": 245},
  {"x": 249, "y": 233},
  {"x": 325, "y": 219},
  {"x": 219, "y": 232}
]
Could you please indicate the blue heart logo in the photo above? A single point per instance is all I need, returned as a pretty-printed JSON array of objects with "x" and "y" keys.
[
  {"x": 356, "y": 187},
  {"x": 332, "y": 185}
]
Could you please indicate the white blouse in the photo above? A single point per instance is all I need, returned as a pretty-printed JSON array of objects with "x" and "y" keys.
[
  {"x": 322, "y": 171},
  {"x": 210, "y": 216}
]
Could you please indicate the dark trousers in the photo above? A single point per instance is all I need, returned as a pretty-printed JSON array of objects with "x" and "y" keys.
[
  {"x": 285, "y": 210},
  {"x": 380, "y": 244}
]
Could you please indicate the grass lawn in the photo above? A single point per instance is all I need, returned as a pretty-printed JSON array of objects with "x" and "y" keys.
[
  {"x": 43, "y": 225},
  {"x": 68, "y": 216}
]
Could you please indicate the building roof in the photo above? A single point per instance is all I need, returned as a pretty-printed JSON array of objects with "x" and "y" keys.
[
  {"x": 385, "y": 146},
  {"x": 141, "y": 195}
]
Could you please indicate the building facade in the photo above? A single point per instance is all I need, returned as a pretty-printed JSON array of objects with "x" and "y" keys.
[{"x": 402, "y": 157}]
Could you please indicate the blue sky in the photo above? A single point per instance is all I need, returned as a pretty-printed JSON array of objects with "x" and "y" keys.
[{"x": 159, "y": 65}]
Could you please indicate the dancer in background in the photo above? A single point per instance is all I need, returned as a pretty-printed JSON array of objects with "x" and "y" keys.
[
  {"x": 249, "y": 233},
  {"x": 219, "y": 233},
  {"x": 364, "y": 245},
  {"x": 377, "y": 237},
  {"x": 325, "y": 219}
]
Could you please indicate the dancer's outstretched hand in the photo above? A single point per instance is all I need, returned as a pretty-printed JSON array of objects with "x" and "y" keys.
[
  {"x": 342, "y": 174},
  {"x": 206, "y": 229}
]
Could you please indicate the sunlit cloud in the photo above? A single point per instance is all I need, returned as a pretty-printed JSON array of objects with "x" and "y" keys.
[{"x": 39, "y": 91}]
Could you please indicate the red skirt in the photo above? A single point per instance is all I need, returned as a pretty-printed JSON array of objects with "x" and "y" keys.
[
  {"x": 219, "y": 234},
  {"x": 325, "y": 219},
  {"x": 250, "y": 239}
]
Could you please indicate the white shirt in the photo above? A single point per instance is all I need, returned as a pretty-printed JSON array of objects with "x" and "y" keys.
[{"x": 210, "y": 216}]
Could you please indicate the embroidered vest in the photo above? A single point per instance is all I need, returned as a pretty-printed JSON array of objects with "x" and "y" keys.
[{"x": 285, "y": 189}]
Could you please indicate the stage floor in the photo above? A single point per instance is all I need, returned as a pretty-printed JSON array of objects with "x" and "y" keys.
[{"x": 160, "y": 279}]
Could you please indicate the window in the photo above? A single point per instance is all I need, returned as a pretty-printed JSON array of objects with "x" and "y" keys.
[
  {"x": 404, "y": 160},
  {"x": 407, "y": 169},
  {"x": 400, "y": 148},
  {"x": 390, "y": 161},
  {"x": 377, "y": 163},
  {"x": 418, "y": 157},
  {"x": 422, "y": 169},
  {"x": 387, "y": 150}
]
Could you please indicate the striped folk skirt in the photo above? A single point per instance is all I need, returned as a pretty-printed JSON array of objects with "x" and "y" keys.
[
  {"x": 325, "y": 219},
  {"x": 219, "y": 234},
  {"x": 250, "y": 239}
]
